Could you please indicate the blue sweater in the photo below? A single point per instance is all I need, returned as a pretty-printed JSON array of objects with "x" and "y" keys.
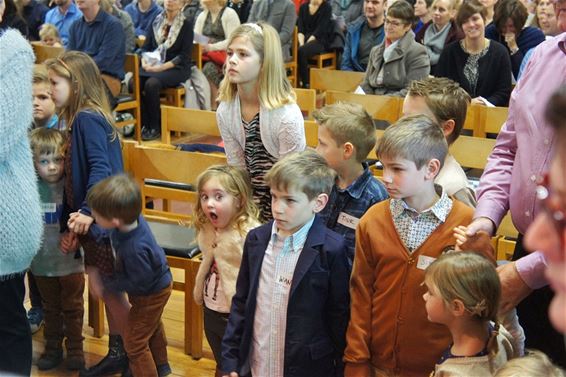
[
  {"x": 143, "y": 20},
  {"x": 528, "y": 38},
  {"x": 141, "y": 265},
  {"x": 103, "y": 40},
  {"x": 95, "y": 155},
  {"x": 350, "y": 60}
]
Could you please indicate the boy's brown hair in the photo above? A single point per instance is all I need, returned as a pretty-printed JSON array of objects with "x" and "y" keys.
[
  {"x": 416, "y": 138},
  {"x": 47, "y": 141},
  {"x": 305, "y": 171},
  {"x": 349, "y": 122},
  {"x": 116, "y": 197},
  {"x": 468, "y": 9},
  {"x": 445, "y": 99},
  {"x": 40, "y": 74}
]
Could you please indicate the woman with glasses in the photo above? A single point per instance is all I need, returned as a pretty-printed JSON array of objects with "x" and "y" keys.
[
  {"x": 165, "y": 63},
  {"x": 481, "y": 66},
  {"x": 399, "y": 59}
]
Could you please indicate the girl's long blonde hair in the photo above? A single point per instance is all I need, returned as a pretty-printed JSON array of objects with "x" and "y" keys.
[
  {"x": 236, "y": 183},
  {"x": 472, "y": 279},
  {"x": 274, "y": 88},
  {"x": 87, "y": 88}
]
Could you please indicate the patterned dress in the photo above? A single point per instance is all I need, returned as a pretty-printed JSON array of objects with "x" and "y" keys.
[{"x": 258, "y": 162}]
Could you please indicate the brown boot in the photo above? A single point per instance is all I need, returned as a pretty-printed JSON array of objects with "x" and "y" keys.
[
  {"x": 75, "y": 355},
  {"x": 51, "y": 356}
]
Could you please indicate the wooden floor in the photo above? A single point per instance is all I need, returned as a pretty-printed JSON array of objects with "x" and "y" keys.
[{"x": 95, "y": 348}]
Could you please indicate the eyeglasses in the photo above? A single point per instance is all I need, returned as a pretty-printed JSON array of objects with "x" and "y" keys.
[{"x": 551, "y": 207}]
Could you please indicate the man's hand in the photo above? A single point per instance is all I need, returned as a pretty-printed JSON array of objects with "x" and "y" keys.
[
  {"x": 481, "y": 223},
  {"x": 513, "y": 288}
]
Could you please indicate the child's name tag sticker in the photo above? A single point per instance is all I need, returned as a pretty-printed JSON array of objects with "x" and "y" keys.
[
  {"x": 284, "y": 281},
  {"x": 48, "y": 207},
  {"x": 424, "y": 262},
  {"x": 348, "y": 221}
]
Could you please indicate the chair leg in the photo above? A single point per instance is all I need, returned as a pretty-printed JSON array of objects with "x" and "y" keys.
[{"x": 96, "y": 315}]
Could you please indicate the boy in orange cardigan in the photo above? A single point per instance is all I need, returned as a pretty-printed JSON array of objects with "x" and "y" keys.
[{"x": 396, "y": 240}]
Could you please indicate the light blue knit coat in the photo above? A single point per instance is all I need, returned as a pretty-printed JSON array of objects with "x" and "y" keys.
[{"x": 21, "y": 225}]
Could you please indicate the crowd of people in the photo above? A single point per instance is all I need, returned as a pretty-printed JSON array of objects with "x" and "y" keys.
[{"x": 311, "y": 266}]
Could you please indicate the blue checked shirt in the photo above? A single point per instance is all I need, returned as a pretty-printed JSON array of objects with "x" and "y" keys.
[
  {"x": 413, "y": 227},
  {"x": 345, "y": 207},
  {"x": 268, "y": 340}
]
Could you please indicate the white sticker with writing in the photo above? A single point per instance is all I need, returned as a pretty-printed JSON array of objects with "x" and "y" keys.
[
  {"x": 285, "y": 281},
  {"x": 48, "y": 207},
  {"x": 424, "y": 262},
  {"x": 348, "y": 220}
]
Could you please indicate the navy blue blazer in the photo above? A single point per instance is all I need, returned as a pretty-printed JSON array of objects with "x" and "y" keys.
[{"x": 317, "y": 312}]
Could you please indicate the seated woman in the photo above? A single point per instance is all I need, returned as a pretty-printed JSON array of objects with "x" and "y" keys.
[
  {"x": 481, "y": 66},
  {"x": 216, "y": 22},
  {"x": 399, "y": 59},
  {"x": 315, "y": 28},
  {"x": 423, "y": 13},
  {"x": 440, "y": 31},
  {"x": 508, "y": 29},
  {"x": 171, "y": 38}
]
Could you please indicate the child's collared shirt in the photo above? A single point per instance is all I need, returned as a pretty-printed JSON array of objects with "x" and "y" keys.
[
  {"x": 413, "y": 227},
  {"x": 345, "y": 207},
  {"x": 277, "y": 269}
]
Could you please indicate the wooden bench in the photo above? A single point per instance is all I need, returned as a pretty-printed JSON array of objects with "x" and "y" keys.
[
  {"x": 189, "y": 121},
  {"x": 43, "y": 52},
  {"x": 130, "y": 101},
  {"x": 385, "y": 108},
  {"x": 306, "y": 100},
  {"x": 323, "y": 80}
]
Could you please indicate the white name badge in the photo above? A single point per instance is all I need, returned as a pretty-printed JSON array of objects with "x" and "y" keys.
[
  {"x": 424, "y": 262},
  {"x": 48, "y": 207},
  {"x": 285, "y": 281},
  {"x": 348, "y": 220}
]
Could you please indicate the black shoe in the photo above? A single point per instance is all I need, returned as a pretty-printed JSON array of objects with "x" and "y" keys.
[
  {"x": 50, "y": 360},
  {"x": 164, "y": 370},
  {"x": 151, "y": 134},
  {"x": 114, "y": 362}
]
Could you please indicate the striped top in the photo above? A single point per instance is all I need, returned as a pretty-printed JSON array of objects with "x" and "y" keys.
[{"x": 258, "y": 162}]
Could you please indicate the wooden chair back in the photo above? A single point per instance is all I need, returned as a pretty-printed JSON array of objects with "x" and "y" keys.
[
  {"x": 491, "y": 119},
  {"x": 43, "y": 52},
  {"x": 193, "y": 121},
  {"x": 131, "y": 101},
  {"x": 327, "y": 79},
  {"x": 306, "y": 100},
  {"x": 379, "y": 107}
]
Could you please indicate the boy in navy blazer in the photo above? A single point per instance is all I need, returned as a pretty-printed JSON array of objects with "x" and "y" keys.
[{"x": 291, "y": 308}]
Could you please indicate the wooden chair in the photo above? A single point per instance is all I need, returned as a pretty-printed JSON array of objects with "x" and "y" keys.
[
  {"x": 130, "y": 102},
  {"x": 176, "y": 96},
  {"x": 507, "y": 238},
  {"x": 490, "y": 120},
  {"x": 472, "y": 119},
  {"x": 306, "y": 100},
  {"x": 326, "y": 60},
  {"x": 311, "y": 133},
  {"x": 291, "y": 65},
  {"x": 180, "y": 119},
  {"x": 156, "y": 163},
  {"x": 344, "y": 81},
  {"x": 43, "y": 52},
  {"x": 379, "y": 107}
]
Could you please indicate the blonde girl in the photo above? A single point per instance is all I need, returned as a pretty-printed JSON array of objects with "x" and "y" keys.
[
  {"x": 49, "y": 35},
  {"x": 224, "y": 214},
  {"x": 258, "y": 118},
  {"x": 463, "y": 293},
  {"x": 93, "y": 153}
]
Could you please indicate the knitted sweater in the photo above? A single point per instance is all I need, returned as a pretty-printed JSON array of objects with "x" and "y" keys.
[
  {"x": 388, "y": 326},
  {"x": 20, "y": 213},
  {"x": 226, "y": 250}
]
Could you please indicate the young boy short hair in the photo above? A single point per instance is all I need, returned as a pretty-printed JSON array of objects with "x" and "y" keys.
[
  {"x": 43, "y": 105},
  {"x": 141, "y": 270},
  {"x": 447, "y": 103},
  {"x": 290, "y": 311},
  {"x": 389, "y": 333},
  {"x": 59, "y": 276},
  {"x": 346, "y": 135}
]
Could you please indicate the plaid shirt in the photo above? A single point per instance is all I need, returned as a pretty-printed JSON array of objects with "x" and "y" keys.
[
  {"x": 270, "y": 321},
  {"x": 414, "y": 227},
  {"x": 345, "y": 207}
]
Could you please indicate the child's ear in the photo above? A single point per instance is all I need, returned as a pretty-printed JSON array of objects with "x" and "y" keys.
[
  {"x": 448, "y": 127},
  {"x": 116, "y": 222},
  {"x": 320, "y": 202},
  {"x": 349, "y": 150},
  {"x": 432, "y": 169},
  {"x": 457, "y": 308}
]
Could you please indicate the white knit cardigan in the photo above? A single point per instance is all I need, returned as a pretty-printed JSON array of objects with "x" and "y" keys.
[
  {"x": 282, "y": 130},
  {"x": 21, "y": 223}
]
